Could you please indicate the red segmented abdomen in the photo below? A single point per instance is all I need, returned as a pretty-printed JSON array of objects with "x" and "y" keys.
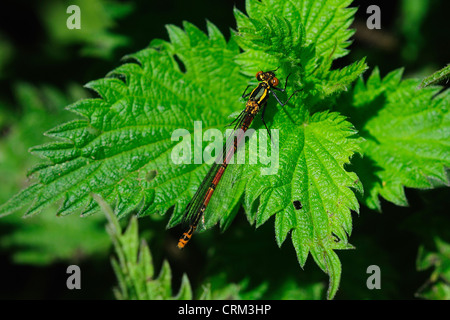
[{"x": 230, "y": 153}]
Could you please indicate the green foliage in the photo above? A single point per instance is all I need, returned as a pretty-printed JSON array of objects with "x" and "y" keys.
[
  {"x": 42, "y": 240},
  {"x": 124, "y": 135},
  {"x": 114, "y": 149},
  {"x": 134, "y": 266},
  {"x": 430, "y": 225},
  {"x": 274, "y": 272},
  {"x": 98, "y": 17},
  {"x": 301, "y": 37},
  {"x": 217, "y": 288},
  {"x": 406, "y": 132},
  {"x": 438, "y": 286},
  {"x": 436, "y": 77},
  {"x": 121, "y": 147}
]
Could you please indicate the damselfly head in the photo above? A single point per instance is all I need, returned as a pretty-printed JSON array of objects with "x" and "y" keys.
[{"x": 268, "y": 77}]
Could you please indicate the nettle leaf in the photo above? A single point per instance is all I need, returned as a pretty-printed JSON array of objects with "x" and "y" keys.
[
  {"x": 312, "y": 158},
  {"x": 316, "y": 177},
  {"x": 325, "y": 22},
  {"x": 407, "y": 136},
  {"x": 436, "y": 77},
  {"x": 303, "y": 37},
  {"x": 437, "y": 286},
  {"x": 122, "y": 148}
]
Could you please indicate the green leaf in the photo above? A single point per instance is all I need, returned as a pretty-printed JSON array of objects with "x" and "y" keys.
[
  {"x": 219, "y": 288},
  {"x": 44, "y": 239},
  {"x": 134, "y": 267},
  {"x": 122, "y": 148},
  {"x": 407, "y": 136},
  {"x": 436, "y": 77},
  {"x": 437, "y": 287},
  {"x": 125, "y": 136},
  {"x": 342, "y": 79},
  {"x": 19, "y": 200},
  {"x": 325, "y": 22},
  {"x": 303, "y": 37},
  {"x": 314, "y": 158}
]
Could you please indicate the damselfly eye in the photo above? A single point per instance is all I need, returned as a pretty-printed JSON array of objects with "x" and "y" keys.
[
  {"x": 258, "y": 75},
  {"x": 274, "y": 82}
]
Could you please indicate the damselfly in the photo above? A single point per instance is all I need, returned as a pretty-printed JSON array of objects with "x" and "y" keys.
[{"x": 257, "y": 100}]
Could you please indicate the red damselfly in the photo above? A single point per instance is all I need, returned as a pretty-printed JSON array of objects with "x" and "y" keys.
[{"x": 257, "y": 100}]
